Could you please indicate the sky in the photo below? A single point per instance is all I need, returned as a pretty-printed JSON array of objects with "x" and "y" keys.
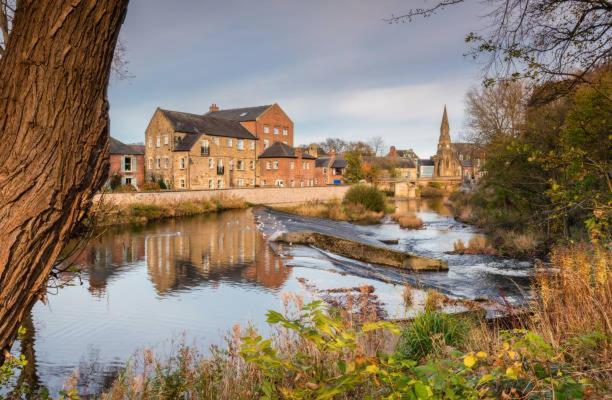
[{"x": 335, "y": 66}]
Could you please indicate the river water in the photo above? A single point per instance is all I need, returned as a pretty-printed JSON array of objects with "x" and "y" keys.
[{"x": 192, "y": 279}]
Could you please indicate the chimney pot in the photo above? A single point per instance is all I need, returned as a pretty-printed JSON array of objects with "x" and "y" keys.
[{"x": 213, "y": 107}]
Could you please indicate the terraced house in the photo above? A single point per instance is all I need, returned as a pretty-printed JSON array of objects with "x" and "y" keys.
[{"x": 191, "y": 151}]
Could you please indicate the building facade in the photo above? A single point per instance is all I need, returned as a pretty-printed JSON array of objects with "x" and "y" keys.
[
  {"x": 284, "y": 166},
  {"x": 126, "y": 162},
  {"x": 191, "y": 151}
]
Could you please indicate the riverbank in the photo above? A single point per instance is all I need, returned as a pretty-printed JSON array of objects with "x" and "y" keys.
[
  {"x": 506, "y": 241},
  {"x": 106, "y": 215}
]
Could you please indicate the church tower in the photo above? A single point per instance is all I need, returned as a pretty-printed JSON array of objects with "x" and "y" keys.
[{"x": 445, "y": 162}]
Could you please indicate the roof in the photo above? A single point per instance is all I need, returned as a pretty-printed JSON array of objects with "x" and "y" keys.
[
  {"x": 339, "y": 163},
  {"x": 117, "y": 147},
  {"x": 395, "y": 162},
  {"x": 322, "y": 162},
  {"x": 468, "y": 148},
  {"x": 426, "y": 162},
  {"x": 201, "y": 124},
  {"x": 239, "y": 114},
  {"x": 282, "y": 150}
]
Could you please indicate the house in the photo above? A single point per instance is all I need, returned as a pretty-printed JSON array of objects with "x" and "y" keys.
[
  {"x": 192, "y": 151},
  {"x": 426, "y": 168},
  {"x": 409, "y": 154},
  {"x": 126, "y": 162},
  {"x": 329, "y": 168},
  {"x": 471, "y": 158},
  {"x": 284, "y": 166},
  {"x": 393, "y": 167}
]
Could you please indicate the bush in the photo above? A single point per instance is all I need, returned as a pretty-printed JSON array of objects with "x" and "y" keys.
[
  {"x": 150, "y": 187},
  {"x": 408, "y": 221},
  {"x": 124, "y": 189},
  {"x": 114, "y": 181},
  {"x": 369, "y": 197},
  {"x": 429, "y": 332}
]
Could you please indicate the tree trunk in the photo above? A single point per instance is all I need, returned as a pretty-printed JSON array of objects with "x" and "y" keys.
[{"x": 54, "y": 132}]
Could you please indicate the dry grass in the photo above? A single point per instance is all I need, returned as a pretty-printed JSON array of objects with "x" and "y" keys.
[
  {"x": 407, "y": 296},
  {"x": 334, "y": 210},
  {"x": 409, "y": 221},
  {"x": 434, "y": 300},
  {"x": 476, "y": 245}
]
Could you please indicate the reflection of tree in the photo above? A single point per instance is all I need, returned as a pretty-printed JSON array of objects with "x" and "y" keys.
[
  {"x": 219, "y": 247},
  {"x": 28, "y": 379}
]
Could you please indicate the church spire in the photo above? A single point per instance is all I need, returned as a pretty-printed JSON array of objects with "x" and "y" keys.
[{"x": 444, "y": 129}]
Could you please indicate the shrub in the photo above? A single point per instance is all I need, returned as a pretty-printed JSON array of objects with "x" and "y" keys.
[
  {"x": 369, "y": 197},
  {"x": 430, "y": 332},
  {"x": 114, "y": 181},
  {"x": 150, "y": 186},
  {"x": 408, "y": 221},
  {"x": 124, "y": 189}
]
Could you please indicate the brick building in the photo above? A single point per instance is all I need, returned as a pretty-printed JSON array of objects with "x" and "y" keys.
[
  {"x": 191, "y": 151},
  {"x": 329, "y": 167},
  {"x": 127, "y": 162},
  {"x": 285, "y": 166}
]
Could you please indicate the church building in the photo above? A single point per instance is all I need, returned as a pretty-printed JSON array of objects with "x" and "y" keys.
[{"x": 446, "y": 163}]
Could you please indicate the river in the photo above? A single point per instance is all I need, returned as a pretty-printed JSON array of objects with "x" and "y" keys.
[{"x": 192, "y": 279}]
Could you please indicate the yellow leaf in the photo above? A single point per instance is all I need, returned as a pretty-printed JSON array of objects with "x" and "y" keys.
[
  {"x": 512, "y": 372},
  {"x": 506, "y": 346},
  {"x": 372, "y": 369},
  {"x": 481, "y": 354},
  {"x": 512, "y": 355},
  {"x": 469, "y": 361}
]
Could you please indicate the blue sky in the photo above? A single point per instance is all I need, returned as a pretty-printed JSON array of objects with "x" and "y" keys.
[{"x": 334, "y": 66}]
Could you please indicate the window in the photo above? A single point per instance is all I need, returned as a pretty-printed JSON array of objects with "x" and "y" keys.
[
  {"x": 240, "y": 165},
  {"x": 284, "y": 141},
  {"x": 166, "y": 162},
  {"x": 157, "y": 162},
  {"x": 252, "y": 144},
  {"x": 268, "y": 165},
  {"x": 216, "y": 141},
  {"x": 263, "y": 183},
  {"x": 275, "y": 130},
  {"x": 252, "y": 164},
  {"x": 150, "y": 163},
  {"x": 231, "y": 165},
  {"x": 279, "y": 183},
  {"x": 266, "y": 143},
  {"x": 219, "y": 184},
  {"x": 211, "y": 163},
  {"x": 211, "y": 184},
  {"x": 229, "y": 142},
  {"x": 285, "y": 131},
  {"x": 127, "y": 164},
  {"x": 205, "y": 148},
  {"x": 158, "y": 142},
  {"x": 240, "y": 182},
  {"x": 307, "y": 164},
  {"x": 128, "y": 181},
  {"x": 316, "y": 182},
  {"x": 301, "y": 183},
  {"x": 292, "y": 183},
  {"x": 220, "y": 169},
  {"x": 166, "y": 140},
  {"x": 182, "y": 163},
  {"x": 461, "y": 157},
  {"x": 252, "y": 182},
  {"x": 275, "y": 164},
  {"x": 150, "y": 142},
  {"x": 182, "y": 183},
  {"x": 292, "y": 165},
  {"x": 325, "y": 170},
  {"x": 304, "y": 164},
  {"x": 240, "y": 144},
  {"x": 266, "y": 129}
]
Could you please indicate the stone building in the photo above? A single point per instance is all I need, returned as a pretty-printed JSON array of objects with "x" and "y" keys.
[
  {"x": 409, "y": 154},
  {"x": 446, "y": 163},
  {"x": 471, "y": 157},
  {"x": 191, "y": 151},
  {"x": 127, "y": 162},
  {"x": 393, "y": 167},
  {"x": 285, "y": 166}
]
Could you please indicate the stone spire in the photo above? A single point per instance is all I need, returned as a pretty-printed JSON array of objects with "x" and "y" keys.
[{"x": 444, "y": 129}]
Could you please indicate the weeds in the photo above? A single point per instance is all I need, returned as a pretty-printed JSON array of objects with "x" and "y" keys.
[
  {"x": 477, "y": 244},
  {"x": 408, "y": 221}
]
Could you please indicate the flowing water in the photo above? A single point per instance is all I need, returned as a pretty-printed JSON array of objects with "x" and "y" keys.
[{"x": 191, "y": 280}]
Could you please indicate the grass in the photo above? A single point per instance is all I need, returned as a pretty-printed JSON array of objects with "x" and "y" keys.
[
  {"x": 140, "y": 213},
  {"x": 476, "y": 245},
  {"x": 408, "y": 221},
  {"x": 334, "y": 210}
]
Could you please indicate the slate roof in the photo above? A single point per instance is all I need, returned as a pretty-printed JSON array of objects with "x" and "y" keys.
[
  {"x": 322, "y": 162},
  {"x": 339, "y": 163},
  {"x": 396, "y": 162},
  {"x": 117, "y": 147},
  {"x": 201, "y": 124},
  {"x": 426, "y": 162},
  {"x": 239, "y": 114},
  {"x": 282, "y": 150}
]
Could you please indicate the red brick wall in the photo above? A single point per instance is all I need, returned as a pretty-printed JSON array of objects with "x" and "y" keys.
[
  {"x": 284, "y": 172},
  {"x": 274, "y": 117},
  {"x": 115, "y": 167}
]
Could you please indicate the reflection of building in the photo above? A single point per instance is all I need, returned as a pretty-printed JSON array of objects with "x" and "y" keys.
[
  {"x": 104, "y": 257},
  {"x": 218, "y": 247}
]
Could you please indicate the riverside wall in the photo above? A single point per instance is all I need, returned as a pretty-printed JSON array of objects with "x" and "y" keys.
[{"x": 264, "y": 196}]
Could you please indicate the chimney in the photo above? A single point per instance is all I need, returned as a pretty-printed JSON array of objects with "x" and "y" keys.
[
  {"x": 393, "y": 152},
  {"x": 298, "y": 152},
  {"x": 213, "y": 107},
  {"x": 332, "y": 153}
]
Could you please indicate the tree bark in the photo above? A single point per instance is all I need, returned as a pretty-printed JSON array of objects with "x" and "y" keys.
[{"x": 54, "y": 130}]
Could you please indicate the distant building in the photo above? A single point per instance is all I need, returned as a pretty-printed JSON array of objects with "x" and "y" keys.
[
  {"x": 191, "y": 151},
  {"x": 330, "y": 168},
  {"x": 284, "y": 166},
  {"x": 471, "y": 158},
  {"x": 393, "y": 167},
  {"x": 426, "y": 168},
  {"x": 446, "y": 163},
  {"x": 127, "y": 162},
  {"x": 409, "y": 154}
]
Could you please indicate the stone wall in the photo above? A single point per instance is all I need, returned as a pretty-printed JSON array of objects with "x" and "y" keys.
[{"x": 266, "y": 196}]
